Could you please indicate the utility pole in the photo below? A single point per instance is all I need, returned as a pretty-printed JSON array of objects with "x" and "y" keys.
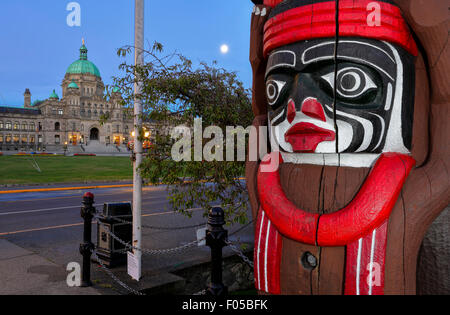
[{"x": 137, "y": 179}]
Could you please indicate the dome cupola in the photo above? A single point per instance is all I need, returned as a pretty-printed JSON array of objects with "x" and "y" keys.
[
  {"x": 54, "y": 95},
  {"x": 83, "y": 65},
  {"x": 73, "y": 85}
]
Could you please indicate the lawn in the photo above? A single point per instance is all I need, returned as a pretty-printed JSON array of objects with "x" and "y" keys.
[{"x": 59, "y": 169}]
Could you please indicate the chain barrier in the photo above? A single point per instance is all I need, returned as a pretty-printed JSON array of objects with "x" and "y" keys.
[
  {"x": 152, "y": 252},
  {"x": 111, "y": 274},
  {"x": 235, "y": 249},
  {"x": 156, "y": 227}
]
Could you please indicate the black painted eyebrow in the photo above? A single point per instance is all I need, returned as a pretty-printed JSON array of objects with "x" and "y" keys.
[
  {"x": 377, "y": 56},
  {"x": 281, "y": 59}
]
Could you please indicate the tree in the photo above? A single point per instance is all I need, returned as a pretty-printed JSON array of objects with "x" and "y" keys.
[{"x": 174, "y": 93}]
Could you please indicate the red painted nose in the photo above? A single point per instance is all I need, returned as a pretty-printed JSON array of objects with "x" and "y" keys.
[
  {"x": 312, "y": 108},
  {"x": 291, "y": 112}
]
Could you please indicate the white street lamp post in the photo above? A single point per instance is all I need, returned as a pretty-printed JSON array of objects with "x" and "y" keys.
[{"x": 137, "y": 179}]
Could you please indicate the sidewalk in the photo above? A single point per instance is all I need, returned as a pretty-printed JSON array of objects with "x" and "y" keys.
[{"x": 25, "y": 273}]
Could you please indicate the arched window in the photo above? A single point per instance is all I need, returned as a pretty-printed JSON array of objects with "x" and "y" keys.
[
  {"x": 57, "y": 126},
  {"x": 82, "y": 127},
  {"x": 89, "y": 113},
  {"x": 32, "y": 127},
  {"x": 8, "y": 125}
]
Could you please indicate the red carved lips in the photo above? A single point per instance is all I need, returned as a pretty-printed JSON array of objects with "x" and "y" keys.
[{"x": 305, "y": 137}]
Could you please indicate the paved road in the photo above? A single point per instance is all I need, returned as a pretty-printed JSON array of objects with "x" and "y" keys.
[{"x": 49, "y": 224}]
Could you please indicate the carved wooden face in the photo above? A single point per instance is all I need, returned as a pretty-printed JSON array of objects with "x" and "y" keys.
[{"x": 373, "y": 93}]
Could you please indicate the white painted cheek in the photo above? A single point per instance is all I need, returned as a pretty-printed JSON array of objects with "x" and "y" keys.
[
  {"x": 277, "y": 139},
  {"x": 345, "y": 134},
  {"x": 394, "y": 139},
  {"x": 326, "y": 147}
]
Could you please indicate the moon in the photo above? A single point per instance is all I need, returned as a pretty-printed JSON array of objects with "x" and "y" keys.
[{"x": 224, "y": 49}]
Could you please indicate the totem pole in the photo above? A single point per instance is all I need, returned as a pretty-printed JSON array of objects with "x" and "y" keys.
[{"x": 355, "y": 99}]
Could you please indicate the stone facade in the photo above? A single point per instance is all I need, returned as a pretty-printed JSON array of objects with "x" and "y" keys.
[{"x": 73, "y": 120}]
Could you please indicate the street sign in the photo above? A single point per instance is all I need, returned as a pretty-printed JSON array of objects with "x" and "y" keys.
[{"x": 133, "y": 267}]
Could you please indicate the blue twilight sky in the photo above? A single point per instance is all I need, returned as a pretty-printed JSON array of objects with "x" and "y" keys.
[{"x": 37, "y": 45}]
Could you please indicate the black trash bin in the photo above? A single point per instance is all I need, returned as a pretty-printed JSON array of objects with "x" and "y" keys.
[{"x": 110, "y": 251}]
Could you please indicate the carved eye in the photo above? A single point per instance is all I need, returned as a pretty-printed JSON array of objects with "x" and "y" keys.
[
  {"x": 273, "y": 90},
  {"x": 351, "y": 82}
]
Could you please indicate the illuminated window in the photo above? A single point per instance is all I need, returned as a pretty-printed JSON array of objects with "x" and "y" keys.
[
  {"x": 16, "y": 126},
  {"x": 57, "y": 139},
  {"x": 8, "y": 125}
]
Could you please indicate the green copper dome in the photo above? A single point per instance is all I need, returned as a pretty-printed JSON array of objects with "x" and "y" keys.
[
  {"x": 73, "y": 85},
  {"x": 83, "y": 65},
  {"x": 54, "y": 95}
]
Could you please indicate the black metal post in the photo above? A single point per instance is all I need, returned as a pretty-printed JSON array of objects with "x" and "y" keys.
[
  {"x": 87, "y": 213},
  {"x": 216, "y": 237}
]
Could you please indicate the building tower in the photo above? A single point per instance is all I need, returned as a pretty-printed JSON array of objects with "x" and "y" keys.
[{"x": 27, "y": 99}]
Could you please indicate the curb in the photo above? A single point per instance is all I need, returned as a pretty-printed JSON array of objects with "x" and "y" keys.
[
  {"x": 88, "y": 183},
  {"x": 4, "y": 192}
]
